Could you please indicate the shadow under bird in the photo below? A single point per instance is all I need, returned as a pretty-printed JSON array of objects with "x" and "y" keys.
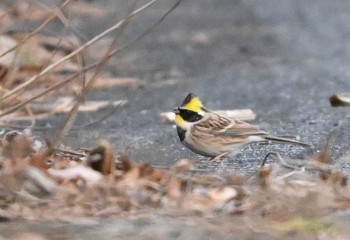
[{"x": 214, "y": 135}]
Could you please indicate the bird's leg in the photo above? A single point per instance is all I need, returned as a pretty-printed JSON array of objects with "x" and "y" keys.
[{"x": 218, "y": 157}]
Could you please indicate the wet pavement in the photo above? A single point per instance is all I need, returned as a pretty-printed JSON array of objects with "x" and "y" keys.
[{"x": 282, "y": 59}]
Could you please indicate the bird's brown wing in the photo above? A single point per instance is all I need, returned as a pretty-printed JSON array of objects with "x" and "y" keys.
[
  {"x": 218, "y": 125},
  {"x": 238, "y": 128}
]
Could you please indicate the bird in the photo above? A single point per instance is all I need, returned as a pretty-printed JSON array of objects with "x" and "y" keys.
[{"x": 214, "y": 135}]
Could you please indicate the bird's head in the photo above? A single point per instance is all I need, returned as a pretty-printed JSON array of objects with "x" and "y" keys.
[{"x": 190, "y": 111}]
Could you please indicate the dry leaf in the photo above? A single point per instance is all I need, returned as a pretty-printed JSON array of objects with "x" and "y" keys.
[
  {"x": 40, "y": 158},
  {"x": 222, "y": 195},
  {"x": 125, "y": 163},
  {"x": 198, "y": 200},
  {"x": 183, "y": 165},
  {"x": 89, "y": 175},
  {"x": 17, "y": 145},
  {"x": 174, "y": 192},
  {"x": 264, "y": 174},
  {"x": 101, "y": 158},
  {"x": 132, "y": 175},
  {"x": 340, "y": 100},
  {"x": 157, "y": 175}
]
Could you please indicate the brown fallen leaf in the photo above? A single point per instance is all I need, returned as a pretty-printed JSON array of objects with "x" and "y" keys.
[
  {"x": 89, "y": 175},
  {"x": 132, "y": 175},
  {"x": 40, "y": 158},
  {"x": 222, "y": 195},
  {"x": 324, "y": 158},
  {"x": 17, "y": 145},
  {"x": 264, "y": 175},
  {"x": 340, "y": 100},
  {"x": 174, "y": 192},
  {"x": 101, "y": 158},
  {"x": 157, "y": 175},
  {"x": 125, "y": 163},
  {"x": 236, "y": 179},
  {"x": 183, "y": 165},
  {"x": 204, "y": 199}
]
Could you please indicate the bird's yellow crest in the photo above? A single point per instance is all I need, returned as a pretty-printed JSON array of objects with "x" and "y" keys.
[{"x": 192, "y": 102}]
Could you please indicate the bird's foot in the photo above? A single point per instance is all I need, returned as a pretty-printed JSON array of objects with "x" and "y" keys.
[{"x": 218, "y": 157}]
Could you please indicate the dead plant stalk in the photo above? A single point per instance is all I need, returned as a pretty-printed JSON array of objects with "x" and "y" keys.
[
  {"x": 75, "y": 52},
  {"x": 87, "y": 68}
]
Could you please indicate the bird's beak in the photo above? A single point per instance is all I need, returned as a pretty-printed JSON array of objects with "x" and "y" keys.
[{"x": 176, "y": 110}]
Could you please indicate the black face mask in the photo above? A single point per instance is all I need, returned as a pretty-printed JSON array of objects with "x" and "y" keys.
[{"x": 190, "y": 116}]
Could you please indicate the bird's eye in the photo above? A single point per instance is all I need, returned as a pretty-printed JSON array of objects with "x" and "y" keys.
[{"x": 190, "y": 116}]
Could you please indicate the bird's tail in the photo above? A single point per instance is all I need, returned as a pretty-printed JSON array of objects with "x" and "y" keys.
[{"x": 286, "y": 140}]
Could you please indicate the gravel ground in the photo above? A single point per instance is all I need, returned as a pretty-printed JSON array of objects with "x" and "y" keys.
[{"x": 282, "y": 59}]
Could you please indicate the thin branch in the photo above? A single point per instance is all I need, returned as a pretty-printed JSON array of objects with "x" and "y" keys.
[
  {"x": 71, "y": 152},
  {"x": 68, "y": 123},
  {"x": 104, "y": 117},
  {"x": 81, "y": 48},
  {"x": 38, "y": 29},
  {"x": 73, "y": 76},
  {"x": 2, "y": 125},
  {"x": 280, "y": 159}
]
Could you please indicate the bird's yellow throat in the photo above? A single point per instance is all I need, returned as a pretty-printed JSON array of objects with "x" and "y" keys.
[{"x": 179, "y": 120}]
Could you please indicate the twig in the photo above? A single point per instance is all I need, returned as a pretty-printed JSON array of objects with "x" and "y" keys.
[
  {"x": 291, "y": 173},
  {"x": 72, "y": 114},
  {"x": 280, "y": 159},
  {"x": 56, "y": 149},
  {"x": 38, "y": 29},
  {"x": 81, "y": 48},
  {"x": 72, "y": 77},
  {"x": 2, "y": 125},
  {"x": 104, "y": 117}
]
